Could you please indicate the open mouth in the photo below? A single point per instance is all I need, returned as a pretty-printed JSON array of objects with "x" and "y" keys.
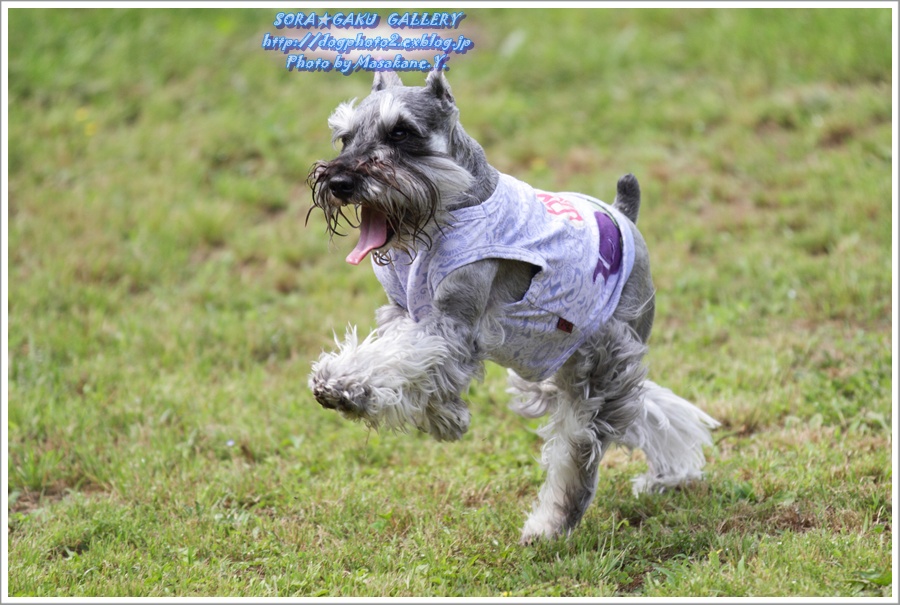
[{"x": 374, "y": 233}]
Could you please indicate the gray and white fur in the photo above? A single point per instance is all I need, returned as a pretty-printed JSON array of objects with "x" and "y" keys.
[{"x": 406, "y": 156}]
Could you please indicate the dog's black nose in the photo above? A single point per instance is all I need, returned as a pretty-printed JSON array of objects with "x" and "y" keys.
[{"x": 342, "y": 186}]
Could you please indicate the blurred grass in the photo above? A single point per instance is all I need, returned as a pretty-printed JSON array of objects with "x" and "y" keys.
[{"x": 166, "y": 299}]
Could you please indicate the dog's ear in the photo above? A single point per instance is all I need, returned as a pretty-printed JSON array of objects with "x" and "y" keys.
[
  {"x": 438, "y": 85},
  {"x": 385, "y": 79}
]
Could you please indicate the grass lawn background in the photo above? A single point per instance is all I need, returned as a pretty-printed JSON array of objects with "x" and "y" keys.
[{"x": 166, "y": 300}]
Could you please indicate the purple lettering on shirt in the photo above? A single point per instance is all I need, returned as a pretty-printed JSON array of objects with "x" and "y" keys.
[{"x": 610, "y": 251}]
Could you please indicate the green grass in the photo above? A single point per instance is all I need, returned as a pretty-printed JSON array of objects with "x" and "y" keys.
[{"x": 166, "y": 301}]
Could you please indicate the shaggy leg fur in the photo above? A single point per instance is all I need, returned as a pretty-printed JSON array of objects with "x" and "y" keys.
[
  {"x": 570, "y": 456},
  {"x": 598, "y": 395},
  {"x": 672, "y": 433},
  {"x": 601, "y": 396},
  {"x": 413, "y": 372},
  {"x": 370, "y": 379},
  {"x": 388, "y": 379},
  {"x": 531, "y": 399}
]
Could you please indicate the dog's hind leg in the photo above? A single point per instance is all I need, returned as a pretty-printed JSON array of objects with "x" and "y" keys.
[
  {"x": 672, "y": 432},
  {"x": 599, "y": 396},
  {"x": 571, "y": 456}
]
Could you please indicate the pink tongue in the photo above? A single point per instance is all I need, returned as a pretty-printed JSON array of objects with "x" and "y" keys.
[{"x": 372, "y": 235}]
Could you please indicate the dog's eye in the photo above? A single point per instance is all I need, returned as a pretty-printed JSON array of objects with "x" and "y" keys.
[{"x": 398, "y": 134}]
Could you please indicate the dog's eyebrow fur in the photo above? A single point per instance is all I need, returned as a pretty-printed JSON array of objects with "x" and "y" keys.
[
  {"x": 341, "y": 120},
  {"x": 392, "y": 110}
]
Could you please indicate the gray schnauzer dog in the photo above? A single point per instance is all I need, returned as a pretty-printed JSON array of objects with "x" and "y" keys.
[{"x": 477, "y": 266}]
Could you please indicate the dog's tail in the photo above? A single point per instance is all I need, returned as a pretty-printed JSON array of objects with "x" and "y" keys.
[
  {"x": 672, "y": 432},
  {"x": 628, "y": 197}
]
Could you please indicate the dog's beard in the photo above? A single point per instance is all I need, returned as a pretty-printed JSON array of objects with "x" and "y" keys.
[{"x": 392, "y": 204}]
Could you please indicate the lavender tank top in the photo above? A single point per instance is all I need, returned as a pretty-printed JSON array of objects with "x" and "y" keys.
[{"x": 582, "y": 246}]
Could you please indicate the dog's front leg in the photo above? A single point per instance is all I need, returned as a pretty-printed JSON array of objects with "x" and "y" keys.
[{"x": 409, "y": 372}]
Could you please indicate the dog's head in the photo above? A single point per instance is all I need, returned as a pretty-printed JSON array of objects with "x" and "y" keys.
[{"x": 396, "y": 168}]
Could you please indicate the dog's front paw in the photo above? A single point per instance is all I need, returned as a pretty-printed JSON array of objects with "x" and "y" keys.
[
  {"x": 333, "y": 395},
  {"x": 448, "y": 420}
]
